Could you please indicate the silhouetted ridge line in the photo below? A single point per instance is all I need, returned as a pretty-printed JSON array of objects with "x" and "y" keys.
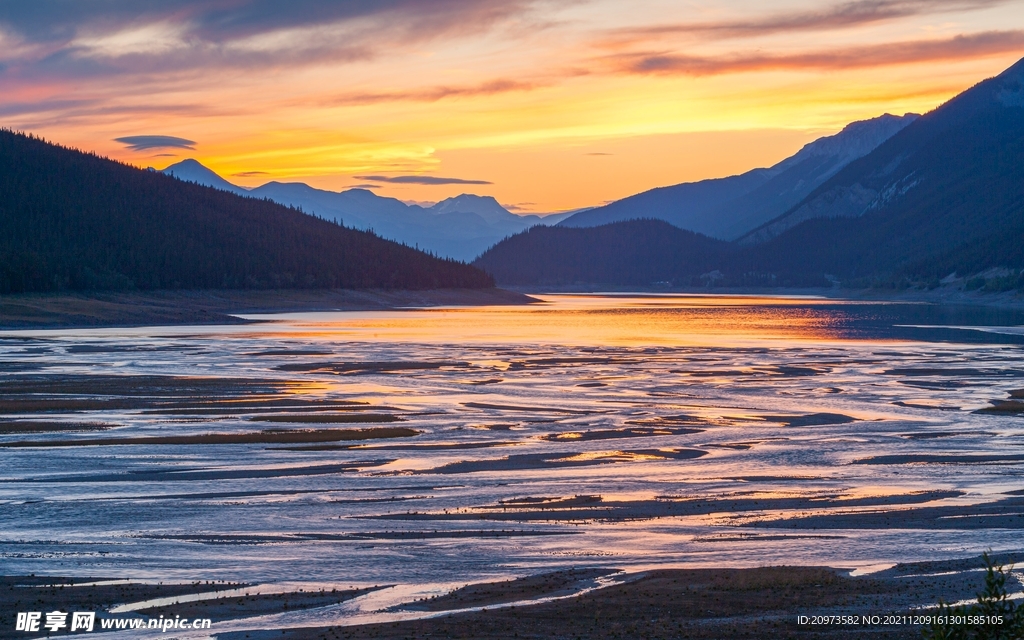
[
  {"x": 727, "y": 208},
  {"x": 939, "y": 201},
  {"x": 635, "y": 252},
  {"x": 71, "y": 220}
]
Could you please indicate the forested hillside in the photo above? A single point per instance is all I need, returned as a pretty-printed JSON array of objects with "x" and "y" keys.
[
  {"x": 635, "y": 252},
  {"x": 944, "y": 195},
  {"x": 71, "y": 220}
]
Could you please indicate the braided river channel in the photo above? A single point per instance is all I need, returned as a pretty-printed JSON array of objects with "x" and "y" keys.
[{"x": 427, "y": 448}]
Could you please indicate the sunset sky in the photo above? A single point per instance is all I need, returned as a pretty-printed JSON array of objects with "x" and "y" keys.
[{"x": 547, "y": 106}]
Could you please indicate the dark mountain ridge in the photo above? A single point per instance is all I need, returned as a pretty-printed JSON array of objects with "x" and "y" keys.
[
  {"x": 686, "y": 206},
  {"x": 941, "y": 199},
  {"x": 728, "y": 208},
  {"x": 634, "y": 252},
  {"x": 71, "y": 220},
  {"x": 944, "y": 195}
]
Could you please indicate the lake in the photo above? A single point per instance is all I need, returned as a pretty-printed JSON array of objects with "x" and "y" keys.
[{"x": 435, "y": 447}]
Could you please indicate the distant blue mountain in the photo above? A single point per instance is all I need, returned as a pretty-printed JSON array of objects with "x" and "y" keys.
[
  {"x": 191, "y": 171},
  {"x": 728, "y": 208},
  {"x": 461, "y": 227}
]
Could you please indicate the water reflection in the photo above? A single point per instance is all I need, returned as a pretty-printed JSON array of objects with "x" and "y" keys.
[
  {"x": 448, "y": 445},
  {"x": 664, "y": 320}
]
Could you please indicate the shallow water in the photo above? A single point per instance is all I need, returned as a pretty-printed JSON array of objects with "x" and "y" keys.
[{"x": 622, "y": 431}]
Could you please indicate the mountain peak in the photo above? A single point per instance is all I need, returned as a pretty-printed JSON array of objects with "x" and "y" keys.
[
  {"x": 967, "y": 142},
  {"x": 727, "y": 208},
  {"x": 191, "y": 170},
  {"x": 856, "y": 139},
  {"x": 1003, "y": 90},
  {"x": 1011, "y": 91},
  {"x": 466, "y": 199},
  {"x": 187, "y": 163},
  {"x": 484, "y": 206}
]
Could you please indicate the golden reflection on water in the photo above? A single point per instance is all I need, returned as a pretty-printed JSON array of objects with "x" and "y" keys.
[
  {"x": 612, "y": 456},
  {"x": 560, "y": 405},
  {"x": 688, "y": 320}
]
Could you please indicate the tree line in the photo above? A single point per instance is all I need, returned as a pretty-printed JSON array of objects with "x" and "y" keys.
[{"x": 71, "y": 221}]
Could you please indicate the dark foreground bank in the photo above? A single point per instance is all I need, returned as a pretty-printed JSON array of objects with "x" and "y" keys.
[
  {"x": 702, "y": 603},
  {"x": 119, "y": 309},
  {"x": 766, "y": 602}
]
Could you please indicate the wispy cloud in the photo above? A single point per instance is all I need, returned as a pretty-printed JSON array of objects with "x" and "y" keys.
[
  {"x": 58, "y": 20},
  {"x": 43, "y": 106},
  {"x": 145, "y": 143},
  {"x": 837, "y": 16},
  {"x": 886, "y": 54},
  {"x": 433, "y": 94},
  {"x": 424, "y": 180},
  {"x": 132, "y": 36},
  {"x": 248, "y": 174},
  {"x": 520, "y": 206}
]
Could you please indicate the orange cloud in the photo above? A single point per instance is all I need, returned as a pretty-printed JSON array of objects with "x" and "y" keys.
[
  {"x": 877, "y": 55},
  {"x": 562, "y": 104},
  {"x": 433, "y": 94}
]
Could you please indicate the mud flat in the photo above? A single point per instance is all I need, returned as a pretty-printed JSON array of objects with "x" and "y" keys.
[
  {"x": 1007, "y": 514},
  {"x": 673, "y": 603},
  {"x": 253, "y": 603},
  {"x": 114, "y": 598},
  {"x": 40, "y": 311},
  {"x": 269, "y": 436},
  {"x": 594, "y": 508},
  {"x": 546, "y": 585},
  {"x": 596, "y": 602}
]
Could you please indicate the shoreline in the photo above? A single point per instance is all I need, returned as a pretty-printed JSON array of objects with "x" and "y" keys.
[
  {"x": 154, "y": 308},
  {"x": 942, "y": 295},
  {"x": 109, "y": 309}
]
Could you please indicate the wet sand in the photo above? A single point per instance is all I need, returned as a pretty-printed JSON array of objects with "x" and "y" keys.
[
  {"x": 253, "y": 603},
  {"x": 576, "y": 603},
  {"x": 546, "y": 585},
  {"x": 270, "y": 436},
  {"x": 738, "y": 507},
  {"x": 9, "y": 427},
  {"x": 55, "y": 593},
  {"x": 674, "y": 603},
  {"x": 1001, "y": 514},
  {"x": 113, "y": 309}
]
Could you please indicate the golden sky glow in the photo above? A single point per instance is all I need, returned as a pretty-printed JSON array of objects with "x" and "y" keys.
[{"x": 557, "y": 105}]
